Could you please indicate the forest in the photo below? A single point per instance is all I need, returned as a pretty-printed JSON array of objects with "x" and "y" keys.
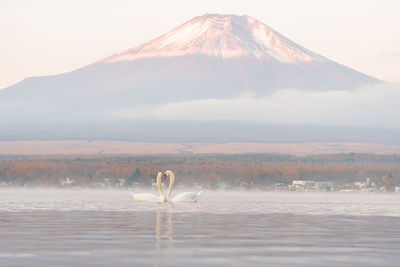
[{"x": 257, "y": 170}]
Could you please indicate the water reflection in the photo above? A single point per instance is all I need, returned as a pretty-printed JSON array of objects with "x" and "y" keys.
[
  {"x": 74, "y": 228},
  {"x": 164, "y": 224}
]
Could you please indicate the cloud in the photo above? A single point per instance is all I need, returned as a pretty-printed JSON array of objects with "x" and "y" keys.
[{"x": 377, "y": 106}]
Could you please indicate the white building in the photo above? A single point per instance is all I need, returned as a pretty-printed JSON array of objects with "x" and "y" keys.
[
  {"x": 300, "y": 185},
  {"x": 67, "y": 182}
]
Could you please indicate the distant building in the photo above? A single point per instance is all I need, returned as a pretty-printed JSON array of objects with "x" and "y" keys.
[
  {"x": 301, "y": 185},
  {"x": 307, "y": 185},
  {"x": 67, "y": 182}
]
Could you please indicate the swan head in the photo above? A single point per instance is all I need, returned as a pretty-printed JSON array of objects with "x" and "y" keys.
[{"x": 166, "y": 175}]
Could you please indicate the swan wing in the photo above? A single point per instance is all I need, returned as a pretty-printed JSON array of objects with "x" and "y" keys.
[
  {"x": 186, "y": 197},
  {"x": 146, "y": 197}
]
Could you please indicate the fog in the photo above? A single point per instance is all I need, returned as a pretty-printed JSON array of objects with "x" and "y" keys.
[{"x": 375, "y": 106}]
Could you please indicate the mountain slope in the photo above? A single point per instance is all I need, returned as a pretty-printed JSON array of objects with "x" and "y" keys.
[
  {"x": 211, "y": 56},
  {"x": 223, "y": 36}
]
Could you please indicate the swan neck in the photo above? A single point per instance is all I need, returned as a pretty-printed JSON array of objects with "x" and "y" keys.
[
  {"x": 159, "y": 186},
  {"x": 171, "y": 183}
]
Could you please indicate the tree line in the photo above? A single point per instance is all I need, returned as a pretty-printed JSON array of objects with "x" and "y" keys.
[{"x": 255, "y": 169}]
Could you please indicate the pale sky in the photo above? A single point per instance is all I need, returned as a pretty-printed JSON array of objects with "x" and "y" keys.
[{"x": 44, "y": 37}]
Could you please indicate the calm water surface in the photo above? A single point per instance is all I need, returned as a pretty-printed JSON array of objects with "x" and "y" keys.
[{"x": 105, "y": 227}]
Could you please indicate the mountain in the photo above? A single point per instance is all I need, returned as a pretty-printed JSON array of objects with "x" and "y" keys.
[
  {"x": 211, "y": 56},
  {"x": 232, "y": 54}
]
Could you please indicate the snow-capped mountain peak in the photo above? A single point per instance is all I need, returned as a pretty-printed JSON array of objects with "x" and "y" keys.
[
  {"x": 207, "y": 59},
  {"x": 222, "y": 36}
]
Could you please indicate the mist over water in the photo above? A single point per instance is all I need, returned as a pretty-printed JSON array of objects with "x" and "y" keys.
[
  {"x": 368, "y": 106},
  {"x": 48, "y": 227}
]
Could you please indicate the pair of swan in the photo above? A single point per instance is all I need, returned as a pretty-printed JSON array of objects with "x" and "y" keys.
[{"x": 182, "y": 197}]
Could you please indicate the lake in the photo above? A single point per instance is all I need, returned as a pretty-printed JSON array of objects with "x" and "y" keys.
[{"x": 56, "y": 227}]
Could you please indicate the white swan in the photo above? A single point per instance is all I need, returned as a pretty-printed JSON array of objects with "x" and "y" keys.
[
  {"x": 182, "y": 197},
  {"x": 148, "y": 197}
]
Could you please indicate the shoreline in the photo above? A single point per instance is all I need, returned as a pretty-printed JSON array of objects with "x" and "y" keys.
[{"x": 84, "y": 147}]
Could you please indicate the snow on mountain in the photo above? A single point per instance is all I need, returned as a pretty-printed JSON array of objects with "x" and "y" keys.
[
  {"x": 208, "y": 57},
  {"x": 223, "y": 36}
]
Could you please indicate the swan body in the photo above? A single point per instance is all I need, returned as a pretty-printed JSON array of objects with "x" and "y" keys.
[
  {"x": 182, "y": 197},
  {"x": 186, "y": 197},
  {"x": 148, "y": 197}
]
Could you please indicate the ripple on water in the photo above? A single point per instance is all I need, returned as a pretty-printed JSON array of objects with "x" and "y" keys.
[
  {"x": 211, "y": 202},
  {"x": 105, "y": 227}
]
